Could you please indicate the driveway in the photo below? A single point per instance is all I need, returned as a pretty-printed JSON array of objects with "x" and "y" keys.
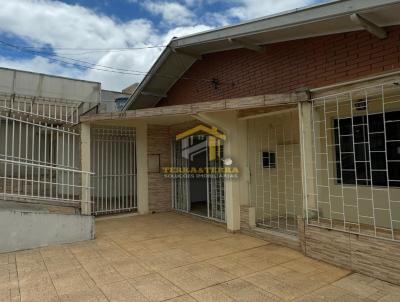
[{"x": 178, "y": 258}]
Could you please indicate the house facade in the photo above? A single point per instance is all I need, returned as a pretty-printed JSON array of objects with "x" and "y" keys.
[
  {"x": 308, "y": 102},
  {"x": 284, "y": 127}
]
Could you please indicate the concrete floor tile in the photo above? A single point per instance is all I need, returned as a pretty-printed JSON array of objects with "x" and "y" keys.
[
  {"x": 390, "y": 298},
  {"x": 122, "y": 292},
  {"x": 56, "y": 251},
  {"x": 268, "y": 283},
  {"x": 9, "y": 295},
  {"x": 357, "y": 284},
  {"x": 197, "y": 276},
  {"x": 159, "y": 257},
  {"x": 184, "y": 298},
  {"x": 241, "y": 242},
  {"x": 7, "y": 258},
  {"x": 207, "y": 250},
  {"x": 231, "y": 266},
  {"x": 130, "y": 268},
  {"x": 211, "y": 294},
  {"x": 41, "y": 292},
  {"x": 103, "y": 273},
  {"x": 283, "y": 282},
  {"x": 329, "y": 294},
  {"x": 70, "y": 282},
  {"x": 5, "y": 295},
  {"x": 8, "y": 276},
  {"x": 32, "y": 278},
  {"x": 241, "y": 290},
  {"x": 28, "y": 256},
  {"x": 92, "y": 295},
  {"x": 156, "y": 288}
]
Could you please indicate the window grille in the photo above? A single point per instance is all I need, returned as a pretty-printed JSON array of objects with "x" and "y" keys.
[
  {"x": 39, "y": 161},
  {"x": 268, "y": 160},
  {"x": 355, "y": 179}
]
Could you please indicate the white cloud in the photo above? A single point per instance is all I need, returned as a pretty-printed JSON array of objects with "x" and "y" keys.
[
  {"x": 41, "y": 65},
  {"x": 44, "y": 22},
  {"x": 249, "y": 9},
  {"x": 172, "y": 12},
  {"x": 60, "y": 25}
]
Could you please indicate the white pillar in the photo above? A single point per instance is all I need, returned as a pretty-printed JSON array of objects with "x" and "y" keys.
[
  {"x": 85, "y": 166},
  {"x": 232, "y": 188},
  {"x": 142, "y": 169},
  {"x": 306, "y": 143}
]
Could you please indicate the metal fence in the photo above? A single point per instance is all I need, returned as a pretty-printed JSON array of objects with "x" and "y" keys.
[
  {"x": 113, "y": 160},
  {"x": 52, "y": 110},
  {"x": 39, "y": 161},
  {"x": 354, "y": 185}
]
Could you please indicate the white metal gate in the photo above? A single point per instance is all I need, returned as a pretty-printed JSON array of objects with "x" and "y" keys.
[
  {"x": 216, "y": 189},
  {"x": 113, "y": 159},
  {"x": 275, "y": 171},
  {"x": 181, "y": 186},
  {"x": 180, "y": 182}
]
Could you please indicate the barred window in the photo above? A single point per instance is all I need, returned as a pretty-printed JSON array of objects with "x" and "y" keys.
[
  {"x": 268, "y": 160},
  {"x": 368, "y": 149}
]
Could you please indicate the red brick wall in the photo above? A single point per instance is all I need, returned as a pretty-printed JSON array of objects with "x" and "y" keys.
[
  {"x": 287, "y": 66},
  {"x": 159, "y": 143}
]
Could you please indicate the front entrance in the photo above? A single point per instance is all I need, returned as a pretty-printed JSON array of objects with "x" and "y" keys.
[
  {"x": 113, "y": 156},
  {"x": 198, "y": 194},
  {"x": 275, "y": 171}
]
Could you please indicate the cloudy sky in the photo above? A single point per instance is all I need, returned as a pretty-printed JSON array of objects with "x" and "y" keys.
[{"x": 93, "y": 39}]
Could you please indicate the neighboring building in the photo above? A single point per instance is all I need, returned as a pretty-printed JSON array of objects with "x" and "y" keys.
[
  {"x": 309, "y": 101},
  {"x": 130, "y": 89},
  {"x": 41, "y": 171},
  {"x": 112, "y": 101}
]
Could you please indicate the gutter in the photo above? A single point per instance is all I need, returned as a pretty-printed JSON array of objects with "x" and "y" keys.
[{"x": 283, "y": 20}]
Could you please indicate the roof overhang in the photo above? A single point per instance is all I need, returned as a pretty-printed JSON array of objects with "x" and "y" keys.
[
  {"x": 174, "y": 114},
  {"x": 329, "y": 18}
]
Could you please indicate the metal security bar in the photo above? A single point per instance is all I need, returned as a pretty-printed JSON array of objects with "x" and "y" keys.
[
  {"x": 113, "y": 160},
  {"x": 39, "y": 162},
  {"x": 216, "y": 189},
  {"x": 41, "y": 109},
  {"x": 180, "y": 183},
  {"x": 275, "y": 169},
  {"x": 355, "y": 181}
]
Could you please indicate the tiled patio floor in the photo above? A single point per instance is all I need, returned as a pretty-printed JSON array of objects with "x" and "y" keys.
[{"x": 177, "y": 258}]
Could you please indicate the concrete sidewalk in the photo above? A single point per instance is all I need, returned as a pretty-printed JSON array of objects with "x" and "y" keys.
[{"x": 177, "y": 258}]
